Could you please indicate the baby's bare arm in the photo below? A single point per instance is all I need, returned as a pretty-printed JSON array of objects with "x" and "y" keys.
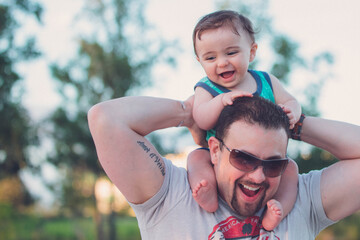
[
  {"x": 287, "y": 191},
  {"x": 288, "y": 103},
  {"x": 293, "y": 111},
  {"x": 207, "y": 109}
]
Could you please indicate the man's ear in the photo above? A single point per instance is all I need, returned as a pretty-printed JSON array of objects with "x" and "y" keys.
[
  {"x": 214, "y": 147},
  {"x": 253, "y": 50}
]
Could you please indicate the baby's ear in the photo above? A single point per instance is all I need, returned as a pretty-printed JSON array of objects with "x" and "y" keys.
[
  {"x": 253, "y": 50},
  {"x": 197, "y": 58}
]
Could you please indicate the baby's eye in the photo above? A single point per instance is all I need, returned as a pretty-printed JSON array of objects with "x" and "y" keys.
[
  {"x": 209, "y": 58},
  {"x": 232, "y": 53}
]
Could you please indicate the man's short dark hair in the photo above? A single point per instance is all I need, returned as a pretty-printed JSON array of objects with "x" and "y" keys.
[{"x": 252, "y": 110}]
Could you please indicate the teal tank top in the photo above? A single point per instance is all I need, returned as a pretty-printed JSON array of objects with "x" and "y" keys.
[{"x": 264, "y": 89}]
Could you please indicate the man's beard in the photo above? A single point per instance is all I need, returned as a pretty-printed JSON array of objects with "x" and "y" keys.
[{"x": 248, "y": 209}]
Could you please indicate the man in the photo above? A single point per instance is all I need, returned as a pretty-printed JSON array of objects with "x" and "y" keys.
[{"x": 245, "y": 144}]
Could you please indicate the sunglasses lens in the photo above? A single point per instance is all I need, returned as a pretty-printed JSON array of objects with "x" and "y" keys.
[
  {"x": 248, "y": 163},
  {"x": 242, "y": 161},
  {"x": 274, "y": 168}
]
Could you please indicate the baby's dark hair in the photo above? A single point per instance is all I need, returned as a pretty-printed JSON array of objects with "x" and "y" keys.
[
  {"x": 221, "y": 18},
  {"x": 252, "y": 110}
]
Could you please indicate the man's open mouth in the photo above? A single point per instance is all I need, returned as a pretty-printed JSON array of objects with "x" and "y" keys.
[{"x": 248, "y": 190}]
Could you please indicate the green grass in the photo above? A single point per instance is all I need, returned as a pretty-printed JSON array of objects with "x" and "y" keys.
[
  {"x": 14, "y": 226},
  {"x": 37, "y": 228},
  {"x": 128, "y": 228},
  {"x": 67, "y": 229}
]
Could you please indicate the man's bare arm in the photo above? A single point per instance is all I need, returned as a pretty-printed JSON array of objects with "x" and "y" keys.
[
  {"x": 340, "y": 183},
  {"x": 118, "y": 128}
]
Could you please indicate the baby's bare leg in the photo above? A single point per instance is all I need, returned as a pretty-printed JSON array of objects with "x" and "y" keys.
[
  {"x": 205, "y": 195},
  {"x": 202, "y": 180},
  {"x": 284, "y": 198},
  {"x": 273, "y": 215}
]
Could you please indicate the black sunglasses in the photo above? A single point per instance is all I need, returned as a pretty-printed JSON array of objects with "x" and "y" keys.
[{"x": 247, "y": 162}]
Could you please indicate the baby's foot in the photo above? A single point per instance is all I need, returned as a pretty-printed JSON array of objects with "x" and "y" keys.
[
  {"x": 273, "y": 215},
  {"x": 206, "y": 196}
]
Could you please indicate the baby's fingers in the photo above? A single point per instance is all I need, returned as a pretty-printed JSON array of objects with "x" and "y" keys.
[
  {"x": 228, "y": 101},
  {"x": 237, "y": 94}
]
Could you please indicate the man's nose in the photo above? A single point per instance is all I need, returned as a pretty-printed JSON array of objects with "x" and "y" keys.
[{"x": 257, "y": 175}]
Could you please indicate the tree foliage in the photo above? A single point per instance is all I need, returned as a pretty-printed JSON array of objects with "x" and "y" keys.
[
  {"x": 114, "y": 56},
  {"x": 16, "y": 132}
]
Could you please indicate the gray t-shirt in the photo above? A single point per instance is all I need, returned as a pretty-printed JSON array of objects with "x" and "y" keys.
[{"x": 173, "y": 214}]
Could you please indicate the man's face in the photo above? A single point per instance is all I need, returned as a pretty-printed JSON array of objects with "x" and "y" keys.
[{"x": 247, "y": 192}]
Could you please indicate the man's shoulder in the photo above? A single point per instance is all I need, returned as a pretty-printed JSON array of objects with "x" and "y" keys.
[
  {"x": 175, "y": 167},
  {"x": 175, "y": 181},
  {"x": 309, "y": 187},
  {"x": 310, "y": 178},
  {"x": 307, "y": 218}
]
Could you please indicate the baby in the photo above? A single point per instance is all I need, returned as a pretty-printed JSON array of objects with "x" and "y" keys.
[{"x": 224, "y": 45}]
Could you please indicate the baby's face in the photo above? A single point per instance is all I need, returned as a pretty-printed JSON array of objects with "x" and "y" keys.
[{"x": 225, "y": 55}]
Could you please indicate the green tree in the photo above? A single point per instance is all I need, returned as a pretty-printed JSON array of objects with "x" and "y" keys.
[
  {"x": 16, "y": 132},
  {"x": 114, "y": 57}
]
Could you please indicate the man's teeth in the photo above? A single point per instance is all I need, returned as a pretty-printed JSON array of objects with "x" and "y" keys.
[{"x": 251, "y": 188}]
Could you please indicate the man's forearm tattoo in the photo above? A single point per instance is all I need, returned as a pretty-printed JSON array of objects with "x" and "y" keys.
[
  {"x": 158, "y": 162},
  {"x": 143, "y": 146},
  {"x": 155, "y": 157}
]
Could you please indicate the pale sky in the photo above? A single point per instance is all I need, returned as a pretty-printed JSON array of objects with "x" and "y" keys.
[{"x": 317, "y": 26}]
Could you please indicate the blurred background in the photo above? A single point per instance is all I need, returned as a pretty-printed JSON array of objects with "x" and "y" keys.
[{"x": 58, "y": 58}]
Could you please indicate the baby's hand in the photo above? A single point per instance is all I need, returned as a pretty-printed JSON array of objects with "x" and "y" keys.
[
  {"x": 290, "y": 114},
  {"x": 228, "y": 98}
]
